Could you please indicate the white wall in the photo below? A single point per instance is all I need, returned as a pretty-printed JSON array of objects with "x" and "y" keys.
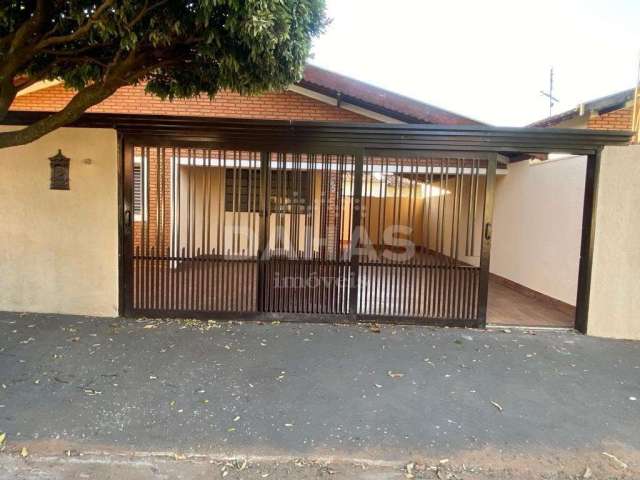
[
  {"x": 59, "y": 249},
  {"x": 614, "y": 306},
  {"x": 537, "y": 226}
]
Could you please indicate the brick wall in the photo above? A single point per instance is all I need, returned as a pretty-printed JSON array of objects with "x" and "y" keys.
[
  {"x": 615, "y": 120},
  {"x": 157, "y": 227},
  {"x": 274, "y": 106}
]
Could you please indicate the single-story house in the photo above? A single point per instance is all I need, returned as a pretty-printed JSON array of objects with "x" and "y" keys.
[{"x": 333, "y": 200}]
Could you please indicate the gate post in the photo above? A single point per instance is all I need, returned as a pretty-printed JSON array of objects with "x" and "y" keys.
[
  {"x": 356, "y": 187},
  {"x": 485, "y": 252}
]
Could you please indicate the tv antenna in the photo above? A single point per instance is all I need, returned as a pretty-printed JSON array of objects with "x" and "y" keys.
[{"x": 552, "y": 100}]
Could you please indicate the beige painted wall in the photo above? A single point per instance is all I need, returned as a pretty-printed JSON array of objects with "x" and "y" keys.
[
  {"x": 60, "y": 248},
  {"x": 614, "y": 307},
  {"x": 537, "y": 226}
]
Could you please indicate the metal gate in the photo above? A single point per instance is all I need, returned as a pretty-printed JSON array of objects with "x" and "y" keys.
[{"x": 367, "y": 235}]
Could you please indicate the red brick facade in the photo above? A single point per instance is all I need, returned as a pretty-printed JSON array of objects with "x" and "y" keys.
[
  {"x": 274, "y": 106},
  {"x": 614, "y": 120}
]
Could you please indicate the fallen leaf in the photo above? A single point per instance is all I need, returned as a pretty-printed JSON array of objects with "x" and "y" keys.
[
  {"x": 395, "y": 374},
  {"x": 616, "y": 460},
  {"x": 180, "y": 456},
  {"x": 24, "y": 452},
  {"x": 3, "y": 438},
  {"x": 374, "y": 327},
  {"x": 151, "y": 325},
  {"x": 587, "y": 474},
  {"x": 240, "y": 464},
  {"x": 409, "y": 467},
  {"x": 497, "y": 405}
]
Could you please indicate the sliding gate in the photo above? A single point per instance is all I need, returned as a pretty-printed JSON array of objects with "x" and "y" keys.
[{"x": 371, "y": 235}]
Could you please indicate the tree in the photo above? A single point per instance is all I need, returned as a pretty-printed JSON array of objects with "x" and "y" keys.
[{"x": 180, "y": 48}]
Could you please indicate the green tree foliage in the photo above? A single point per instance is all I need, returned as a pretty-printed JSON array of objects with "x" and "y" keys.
[{"x": 180, "y": 48}]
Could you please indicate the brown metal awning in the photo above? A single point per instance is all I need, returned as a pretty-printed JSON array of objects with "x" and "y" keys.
[{"x": 324, "y": 136}]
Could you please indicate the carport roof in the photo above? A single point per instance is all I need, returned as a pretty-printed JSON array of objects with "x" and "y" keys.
[{"x": 334, "y": 137}]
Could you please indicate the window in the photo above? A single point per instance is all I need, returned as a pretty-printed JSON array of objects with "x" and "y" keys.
[
  {"x": 245, "y": 196},
  {"x": 289, "y": 192}
]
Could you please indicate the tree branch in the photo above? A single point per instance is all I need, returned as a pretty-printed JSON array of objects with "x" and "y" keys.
[
  {"x": 136, "y": 65},
  {"x": 82, "y": 30},
  {"x": 8, "y": 92},
  {"x": 83, "y": 100}
]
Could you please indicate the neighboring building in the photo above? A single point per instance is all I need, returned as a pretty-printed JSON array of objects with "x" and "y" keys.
[
  {"x": 555, "y": 188},
  {"x": 206, "y": 207},
  {"x": 613, "y": 112}
]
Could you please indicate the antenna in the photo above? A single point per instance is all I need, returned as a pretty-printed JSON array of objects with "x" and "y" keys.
[{"x": 549, "y": 94}]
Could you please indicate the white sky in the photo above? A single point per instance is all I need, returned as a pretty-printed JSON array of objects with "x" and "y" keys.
[{"x": 486, "y": 59}]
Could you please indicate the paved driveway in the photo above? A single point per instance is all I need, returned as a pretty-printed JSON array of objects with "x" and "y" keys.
[{"x": 315, "y": 390}]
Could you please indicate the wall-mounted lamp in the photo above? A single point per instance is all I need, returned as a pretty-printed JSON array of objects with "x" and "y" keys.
[{"x": 59, "y": 171}]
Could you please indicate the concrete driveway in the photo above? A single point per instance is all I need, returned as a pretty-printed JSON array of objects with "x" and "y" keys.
[{"x": 536, "y": 401}]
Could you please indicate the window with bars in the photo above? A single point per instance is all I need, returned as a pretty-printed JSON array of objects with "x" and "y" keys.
[{"x": 290, "y": 192}]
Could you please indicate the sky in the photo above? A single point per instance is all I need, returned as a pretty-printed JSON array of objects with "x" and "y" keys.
[{"x": 486, "y": 59}]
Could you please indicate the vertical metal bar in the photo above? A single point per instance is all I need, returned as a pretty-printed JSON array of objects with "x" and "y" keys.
[
  {"x": 178, "y": 222},
  {"x": 163, "y": 239},
  {"x": 145, "y": 223},
  {"x": 263, "y": 230},
  {"x": 128, "y": 262},
  {"x": 587, "y": 240},
  {"x": 416, "y": 277},
  {"x": 355, "y": 236},
  {"x": 485, "y": 253},
  {"x": 458, "y": 286}
]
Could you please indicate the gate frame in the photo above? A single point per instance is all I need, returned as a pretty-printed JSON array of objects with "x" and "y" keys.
[
  {"x": 516, "y": 143},
  {"x": 126, "y": 144}
]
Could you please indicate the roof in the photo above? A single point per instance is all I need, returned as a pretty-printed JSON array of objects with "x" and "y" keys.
[
  {"x": 377, "y": 99},
  {"x": 355, "y": 95},
  {"x": 599, "y": 105}
]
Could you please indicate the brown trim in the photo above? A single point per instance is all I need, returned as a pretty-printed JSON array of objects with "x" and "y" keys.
[
  {"x": 549, "y": 301},
  {"x": 121, "y": 237},
  {"x": 341, "y": 97},
  {"x": 127, "y": 221},
  {"x": 325, "y": 136}
]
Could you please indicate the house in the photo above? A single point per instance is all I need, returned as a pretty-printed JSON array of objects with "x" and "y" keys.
[{"x": 332, "y": 200}]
